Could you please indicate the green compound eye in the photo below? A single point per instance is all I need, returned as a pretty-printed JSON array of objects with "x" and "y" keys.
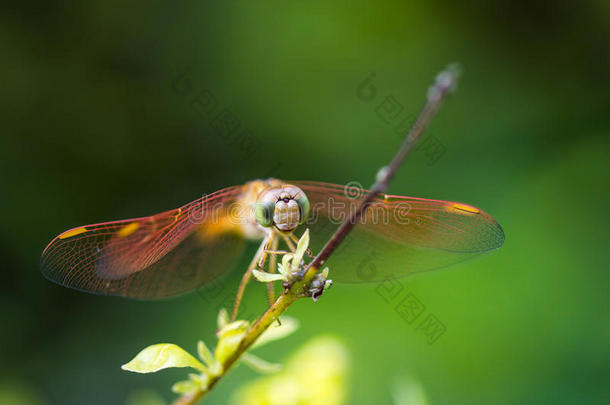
[
  {"x": 304, "y": 207},
  {"x": 263, "y": 212}
]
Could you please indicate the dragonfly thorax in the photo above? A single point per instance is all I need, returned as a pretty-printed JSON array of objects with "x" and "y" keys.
[{"x": 284, "y": 207}]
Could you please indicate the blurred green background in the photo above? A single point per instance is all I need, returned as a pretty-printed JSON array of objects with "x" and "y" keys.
[{"x": 95, "y": 128}]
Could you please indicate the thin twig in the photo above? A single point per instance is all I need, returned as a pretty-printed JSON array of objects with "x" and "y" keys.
[
  {"x": 272, "y": 263},
  {"x": 444, "y": 84},
  {"x": 437, "y": 93}
]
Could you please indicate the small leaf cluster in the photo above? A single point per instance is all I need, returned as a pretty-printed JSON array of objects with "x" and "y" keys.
[
  {"x": 209, "y": 364},
  {"x": 291, "y": 268}
]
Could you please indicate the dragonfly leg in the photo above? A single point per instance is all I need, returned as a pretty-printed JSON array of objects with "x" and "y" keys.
[
  {"x": 272, "y": 262},
  {"x": 260, "y": 253},
  {"x": 277, "y": 252},
  {"x": 289, "y": 243}
]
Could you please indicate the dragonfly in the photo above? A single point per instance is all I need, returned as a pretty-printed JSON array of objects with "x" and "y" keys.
[{"x": 180, "y": 250}]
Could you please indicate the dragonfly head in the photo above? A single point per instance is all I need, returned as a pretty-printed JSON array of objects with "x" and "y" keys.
[{"x": 284, "y": 207}]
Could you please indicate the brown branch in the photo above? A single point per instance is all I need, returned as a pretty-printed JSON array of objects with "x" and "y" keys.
[{"x": 445, "y": 82}]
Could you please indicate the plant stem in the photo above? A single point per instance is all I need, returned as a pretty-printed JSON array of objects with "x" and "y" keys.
[
  {"x": 437, "y": 93},
  {"x": 270, "y": 315}
]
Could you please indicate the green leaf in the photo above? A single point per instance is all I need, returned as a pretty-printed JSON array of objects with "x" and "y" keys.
[
  {"x": 232, "y": 327},
  {"x": 229, "y": 339},
  {"x": 199, "y": 378},
  {"x": 196, "y": 382},
  {"x": 267, "y": 277},
  {"x": 284, "y": 268},
  {"x": 214, "y": 367},
  {"x": 160, "y": 356},
  {"x": 260, "y": 365},
  {"x": 300, "y": 251},
  {"x": 205, "y": 354},
  {"x": 275, "y": 331},
  {"x": 186, "y": 387},
  {"x": 223, "y": 318}
]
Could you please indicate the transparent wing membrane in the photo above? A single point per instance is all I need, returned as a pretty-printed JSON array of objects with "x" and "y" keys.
[
  {"x": 397, "y": 236},
  {"x": 151, "y": 257}
]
